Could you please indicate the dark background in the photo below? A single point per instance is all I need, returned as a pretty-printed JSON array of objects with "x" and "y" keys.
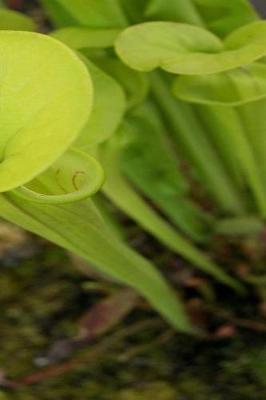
[{"x": 261, "y": 6}]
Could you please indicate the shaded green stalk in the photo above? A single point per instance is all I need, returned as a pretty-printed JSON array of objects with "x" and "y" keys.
[
  {"x": 179, "y": 11},
  {"x": 125, "y": 197},
  {"x": 218, "y": 128},
  {"x": 164, "y": 183},
  {"x": 79, "y": 228},
  {"x": 232, "y": 126},
  {"x": 248, "y": 162},
  {"x": 188, "y": 133},
  {"x": 254, "y": 121}
]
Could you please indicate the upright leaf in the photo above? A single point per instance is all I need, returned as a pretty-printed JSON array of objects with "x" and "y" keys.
[
  {"x": 107, "y": 111},
  {"x": 177, "y": 11},
  {"x": 148, "y": 160},
  {"x": 223, "y": 17},
  {"x": 134, "y": 83},
  {"x": 194, "y": 144},
  {"x": 15, "y": 21},
  {"x": 253, "y": 120},
  {"x": 125, "y": 197},
  {"x": 79, "y": 38},
  {"x": 46, "y": 101},
  {"x": 73, "y": 177},
  {"x": 134, "y": 10},
  {"x": 93, "y": 13},
  {"x": 79, "y": 228},
  {"x": 35, "y": 91},
  {"x": 58, "y": 14},
  {"x": 232, "y": 88}
]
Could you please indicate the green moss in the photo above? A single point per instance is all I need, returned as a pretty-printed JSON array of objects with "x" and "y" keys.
[
  {"x": 43, "y": 298},
  {"x": 155, "y": 391}
]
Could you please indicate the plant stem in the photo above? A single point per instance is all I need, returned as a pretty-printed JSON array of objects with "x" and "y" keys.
[
  {"x": 188, "y": 133},
  {"x": 128, "y": 200}
]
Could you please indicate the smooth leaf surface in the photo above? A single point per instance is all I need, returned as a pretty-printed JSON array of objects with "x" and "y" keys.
[
  {"x": 73, "y": 177},
  {"x": 57, "y": 14},
  {"x": 168, "y": 45},
  {"x": 134, "y": 10},
  {"x": 79, "y": 228},
  {"x": 15, "y": 21},
  {"x": 223, "y": 17},
  {"x": 107, "y": 111},
  {"x": 134, "y": 83},
  {"x": 189, "y": 50},
  {"x": 81, "y": 38},
  {"x": 149, "y": 162},
  {"x": 177, "y": 11},
  {"x": 46, "y": 97},
  {"x": 127, "y": 199},
  {"x": 253, "y": 120},
  {"x": 192, "y": 141},
  {"x": 232, "y": 88},
  {"x": 217, "y": 125},
  {"x": 95, "y": 13}
]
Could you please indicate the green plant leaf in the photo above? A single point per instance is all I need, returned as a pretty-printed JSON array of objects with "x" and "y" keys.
[
  {"x": 46, "y": 101},
  {"x": 253, "y": 120},
  {"x": 149, "y": 162},
  {"x": 127, "y": 199},
  {"x": 81, "y": 38},
  {"x": 78, "y": 227},
  {"x": 223, "y": 17},
  {"x": 15, "y": 21},
  {"x": 231, "y": 88},
  {"x": 245, "y": 226},
  {"x": 73, "y": 177},
  {"x": 57, "y": 14},
  {"x": 107, "y": 111},
  {"x": 229, "y": 130},
  {"x": 178, "y": 11},
  {"x": 33, "y": 136},
  {"x": 168, "y": 45},
  {"x": 189, "y": 50},
  {"x": 134, "y": 10},
  {"x": 193, "y": 142},
  {"x": 217, "y": 126},
  {"x": 93, "y": 13},
  {"x": 135, "y": 84},
  {"x": 247, "y": 158}
]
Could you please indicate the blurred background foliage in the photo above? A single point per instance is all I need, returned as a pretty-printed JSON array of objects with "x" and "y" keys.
[{"x": 49, "y": 306}]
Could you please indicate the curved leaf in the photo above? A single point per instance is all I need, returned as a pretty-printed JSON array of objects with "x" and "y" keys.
[
  {"x": 107, "y": 111},
  {"x": 57, "y": 14},
  {"x": 254, "y": 124},
  {"x": 134, "y": 10},
  {"x": 94, "y": 13},
  {"x": 222, "y": 17},
  {"x": 82, "y": 38},
  {"x": 78, "y": 227},
  {"x": 193, "y": 142},
  {"x": 127, "y": 199},
  {"x": 149, "y": 162},
  {"x": 73, "y": 177},
  {"x": 46, "y": 96},
  {"x": 15, "y": 21},
  {"x": 134, "y": 83},
  {"x": 178, "y": 11},
  {"x": 231, "y": 88},
  {"x": 189, "y": 50},
  {"x": 168, "y": 45}
]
